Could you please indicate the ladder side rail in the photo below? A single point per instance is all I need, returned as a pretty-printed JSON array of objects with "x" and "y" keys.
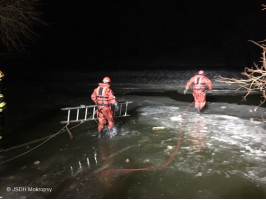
[
  {"x": 88, "y": 119},
  {"x": 91, "y": 106},
  {"x": 77, "y": 107},
  {"x": 71, "y": 108}
]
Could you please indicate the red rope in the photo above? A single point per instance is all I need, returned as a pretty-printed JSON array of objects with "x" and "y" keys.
[{"x": 116, "y": 172}]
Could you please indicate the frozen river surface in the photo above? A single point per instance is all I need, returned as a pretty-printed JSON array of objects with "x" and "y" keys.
[{"x": 222, "y": 153}]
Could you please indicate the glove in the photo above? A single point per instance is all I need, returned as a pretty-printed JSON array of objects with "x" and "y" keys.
[
  {"x": 185, "y": 91},
  {"x": 116, "y": 107}
]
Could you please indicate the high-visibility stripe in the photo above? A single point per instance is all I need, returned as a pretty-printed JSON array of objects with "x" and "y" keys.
[
  {"x": 97, "y": 92},
  {"x": 198, "y": 83},
  {"x": 101, "y": 91},
  {"x": 198, "y": 80},
  {"x": 2, "y": 104},
  {"x": 1, "y": 95},
  {"x": 101, "y": 94}
]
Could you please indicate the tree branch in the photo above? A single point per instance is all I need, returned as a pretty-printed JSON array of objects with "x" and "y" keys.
[
  {"x": 17, "y": 18},
  {"x": 255, "y": 78}
]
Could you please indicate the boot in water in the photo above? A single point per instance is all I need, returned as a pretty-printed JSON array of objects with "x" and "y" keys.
[
  {"x": 198, "y": 111},
  {"x": 100, "y": 134},
  {"x": 112, "y": 132}
]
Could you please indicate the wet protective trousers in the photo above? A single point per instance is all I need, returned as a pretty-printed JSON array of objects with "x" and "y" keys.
[
  {"x": 105, "y": 114},
  {"x": 199, "y": 98}
]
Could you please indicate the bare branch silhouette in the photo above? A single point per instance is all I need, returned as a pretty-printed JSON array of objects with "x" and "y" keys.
[
  {"x": 255, "y": 78},
  {"x": 17, "y": 18}
]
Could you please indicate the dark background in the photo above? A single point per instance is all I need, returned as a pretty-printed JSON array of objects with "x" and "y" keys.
[{"x": 137, "y": 34}]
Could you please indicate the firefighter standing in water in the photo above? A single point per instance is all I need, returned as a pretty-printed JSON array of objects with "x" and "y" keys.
[
  {"x": 103, "y": 96},
  {"x": 3, "y": 106},
  {"x": 199, "y": 82}
]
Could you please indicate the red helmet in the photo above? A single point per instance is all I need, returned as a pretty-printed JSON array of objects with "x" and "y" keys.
[
  {"x": 201, "y": 72},
  {"x": 106, "y": 80}
]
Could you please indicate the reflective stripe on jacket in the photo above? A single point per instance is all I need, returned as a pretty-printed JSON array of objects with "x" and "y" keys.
[
  {"x": 103, "y": 95},
  {"x": 199, "y": 82},
  {"x": 2, "y": 103}
]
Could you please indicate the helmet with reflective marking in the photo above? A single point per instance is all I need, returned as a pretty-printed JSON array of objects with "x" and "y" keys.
[
  {"x": 106, "y": 80},
  {"x": 201, "y": 72}
]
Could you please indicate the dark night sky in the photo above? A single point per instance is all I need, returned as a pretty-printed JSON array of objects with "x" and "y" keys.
[{"x": 129, "y": 33}]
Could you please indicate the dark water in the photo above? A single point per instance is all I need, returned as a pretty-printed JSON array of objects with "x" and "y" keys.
[{"x": 222, "y": 153}]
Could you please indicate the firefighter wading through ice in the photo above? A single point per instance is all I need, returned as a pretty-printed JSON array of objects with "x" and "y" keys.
[
  {"x": 199, "y": 81},
  {"x": 103, "y": 96},
  {"x": 3, "y": 107}
]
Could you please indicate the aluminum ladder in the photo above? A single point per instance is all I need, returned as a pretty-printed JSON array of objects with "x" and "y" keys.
[{"x": 84, "y": 113}]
